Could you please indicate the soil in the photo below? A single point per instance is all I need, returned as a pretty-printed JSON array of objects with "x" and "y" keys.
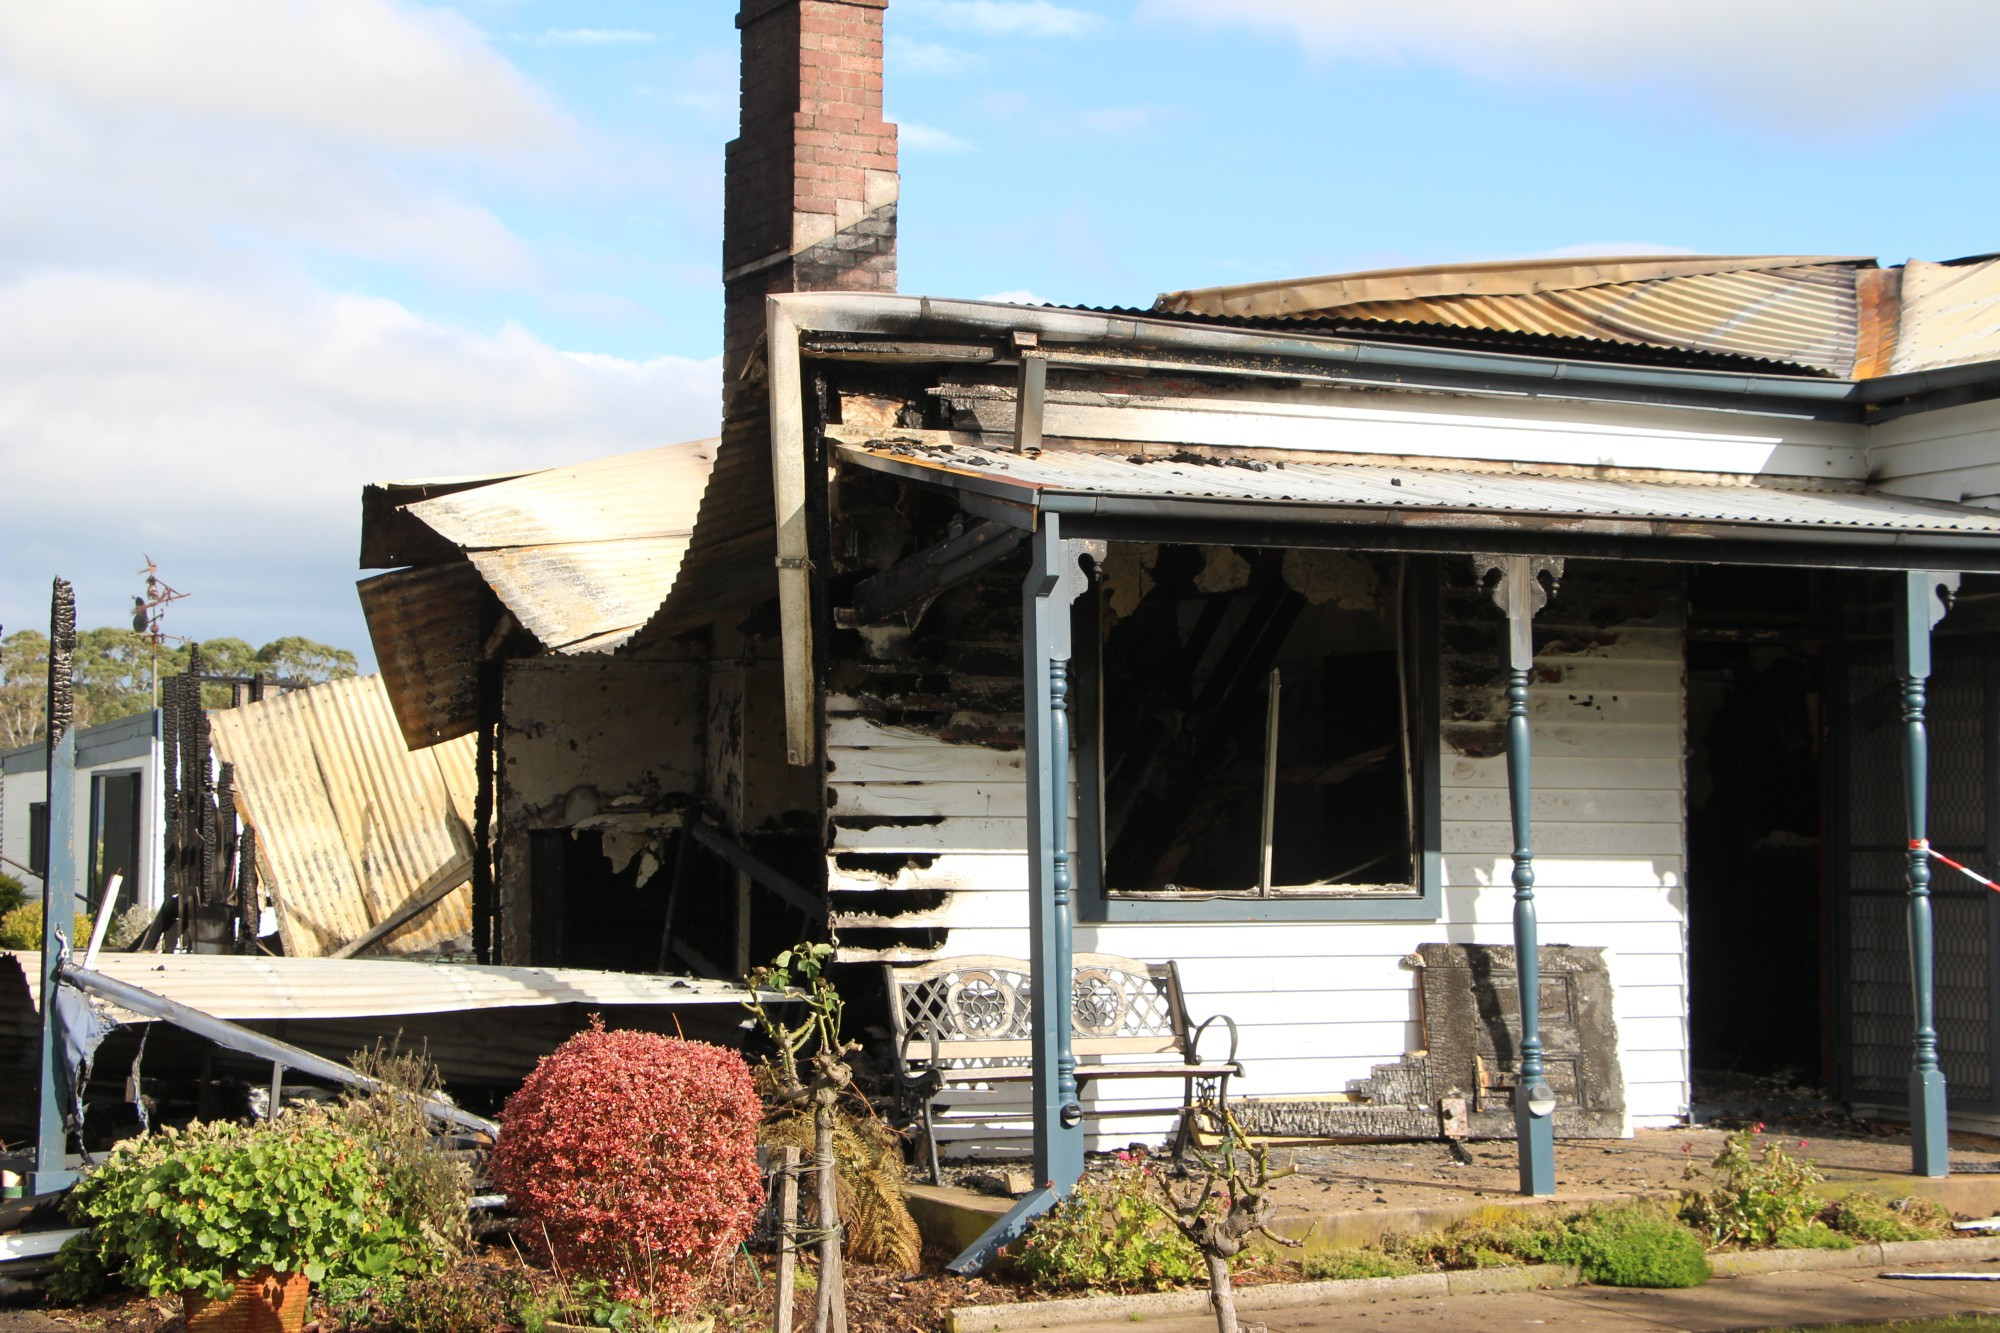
[{"x": 1383, "y": 1176}]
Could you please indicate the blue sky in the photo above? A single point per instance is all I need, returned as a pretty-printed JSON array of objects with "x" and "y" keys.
[{"x": 256, "y": 252}]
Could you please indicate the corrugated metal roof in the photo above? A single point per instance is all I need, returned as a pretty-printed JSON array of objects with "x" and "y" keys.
[
  {"x": 350, "y": 822},
  {"x": 1951, "y": 315},
  {"x": 584, "y": 554},
  {"x": 429, "y": 626},
  {"x": 1787, "y": 308},
  {"x": 1346, "y": 485},
  {"x": 249, "y": 988}
]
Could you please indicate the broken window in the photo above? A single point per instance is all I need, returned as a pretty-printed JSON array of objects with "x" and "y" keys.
[{"x": 1256, "y": 709}]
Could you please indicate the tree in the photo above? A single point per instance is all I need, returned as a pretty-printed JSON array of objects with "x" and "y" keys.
[{"x": 114, "y": 673}]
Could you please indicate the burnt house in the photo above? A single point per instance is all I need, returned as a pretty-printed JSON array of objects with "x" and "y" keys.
[{"x": 1296, "y": 632}]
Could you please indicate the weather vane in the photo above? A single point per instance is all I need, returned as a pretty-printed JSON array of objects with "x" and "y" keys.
[{"x": 147, "y": 613}]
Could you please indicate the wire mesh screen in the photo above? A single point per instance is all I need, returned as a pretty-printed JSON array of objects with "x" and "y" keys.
[{"x": 1877, "y": 905}]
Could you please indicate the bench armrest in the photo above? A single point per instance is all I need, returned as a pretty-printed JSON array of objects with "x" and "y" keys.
[
  {"x": 1194, "y": 1041},
  {"x": 932, "y": 1074}
]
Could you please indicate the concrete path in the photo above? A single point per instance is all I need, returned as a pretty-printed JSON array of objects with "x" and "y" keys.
[{"x": 1766, "y": 1301}]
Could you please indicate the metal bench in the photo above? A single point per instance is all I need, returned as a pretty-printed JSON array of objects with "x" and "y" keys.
[{"x": 965, "y": 1023}]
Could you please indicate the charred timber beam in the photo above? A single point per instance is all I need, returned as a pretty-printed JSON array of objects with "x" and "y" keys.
[
  {"x": 434, "y": 890},
  {"x": 740, "y": 858},
  {"x": 909, "y": 587},
  {"x": 897, "y": 351}
]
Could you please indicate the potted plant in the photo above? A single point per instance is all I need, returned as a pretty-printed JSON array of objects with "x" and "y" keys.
[{"x": 239, "y": 1219}]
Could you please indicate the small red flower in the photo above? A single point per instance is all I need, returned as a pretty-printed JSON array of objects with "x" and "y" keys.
[{"x": 1759, "y": 1128}]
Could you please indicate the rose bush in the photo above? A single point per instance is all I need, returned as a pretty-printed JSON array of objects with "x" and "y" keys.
[{"x": 633, "y": 1157}]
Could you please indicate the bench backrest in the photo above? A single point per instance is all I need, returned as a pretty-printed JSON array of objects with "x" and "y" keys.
[{"x": 980, "y": 1007}]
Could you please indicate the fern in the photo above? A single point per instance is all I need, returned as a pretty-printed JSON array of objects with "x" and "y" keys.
[{"x": 868, "y": 1182}]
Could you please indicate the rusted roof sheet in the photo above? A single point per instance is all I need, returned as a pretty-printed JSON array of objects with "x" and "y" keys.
[
  {"x": 350, "y": 822},
  {"x": 581, "y": 555},
  {"x": 1786, "y": 308},
  {"x": 1415, "y": 490},
  {"x": 249, "y": 989},
  {"x": 429, "y": 627},
  {"x": 1951, "y": 315}
]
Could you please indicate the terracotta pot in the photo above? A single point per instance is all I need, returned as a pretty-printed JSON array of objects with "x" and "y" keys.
[{"x": 263, "y": 1302}]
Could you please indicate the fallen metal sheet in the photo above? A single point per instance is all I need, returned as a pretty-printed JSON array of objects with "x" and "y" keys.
[
  {"x": 351, "y": 823},
  {"x": 1079, "y": 472},
  {"x": 429, "y": 628},
  {"x": 149, "y": 1004},
  {"x": 246, "y": 989},
  {"x": 581, "y": 555}
]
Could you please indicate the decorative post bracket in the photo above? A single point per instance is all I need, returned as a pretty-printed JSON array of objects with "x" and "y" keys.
[
  {"x": 1519, "y": 593},
  {"x": 1054, "y": 582},
  {"x": 1925, "y": 597}
]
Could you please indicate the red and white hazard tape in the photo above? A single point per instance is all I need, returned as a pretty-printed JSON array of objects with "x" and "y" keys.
[{"x": 1923, "y": 845}]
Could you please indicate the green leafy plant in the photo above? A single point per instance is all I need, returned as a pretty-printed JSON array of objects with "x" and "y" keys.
[
  {"x": 1345, "y": 1265},
  {"x": 13, "y": 892},
  {"x": 21, "y": 928},
  {"x": 1634, "y": 1245},
  {"x": 185, "y": 1210},
  {"x": 1868, "y": 1216},
  {"x": 1758, "y": 1195},
  {"x": 1110, "y": 1234}
]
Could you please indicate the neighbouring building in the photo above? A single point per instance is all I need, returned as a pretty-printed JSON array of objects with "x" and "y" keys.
[{"x": 119, "y": 804}]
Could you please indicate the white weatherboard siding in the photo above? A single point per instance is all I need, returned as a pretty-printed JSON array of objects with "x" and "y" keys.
[
  {"x": 1319, "y": 1004},
  {"x": 1951, "y": 454}
]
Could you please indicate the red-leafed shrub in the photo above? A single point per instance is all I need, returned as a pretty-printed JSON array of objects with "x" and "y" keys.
[{"x": 633, "y": 1157}]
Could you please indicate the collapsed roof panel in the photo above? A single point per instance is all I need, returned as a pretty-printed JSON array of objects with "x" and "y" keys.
[{"x": 351, "y": 823}]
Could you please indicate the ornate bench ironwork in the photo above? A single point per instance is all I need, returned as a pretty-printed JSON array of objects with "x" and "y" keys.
[{"x": 965, "y": 1022}]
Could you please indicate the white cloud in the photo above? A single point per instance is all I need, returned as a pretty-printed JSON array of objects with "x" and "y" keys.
[
  {"x": 1808, "y": 66},
  {"x": 374, "y": 71},
  {"x": 229, "y": 432},
  {"x": 928, "y": 138},
  {"x": 594, "y": 37},
  {"x": 926, "y": 58},
  {"x": 1004, "y": 18},
  {"x": 1018, "y": 296}
]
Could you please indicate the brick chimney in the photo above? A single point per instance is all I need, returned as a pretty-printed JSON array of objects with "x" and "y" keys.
[{"x": 809, "y": 200}]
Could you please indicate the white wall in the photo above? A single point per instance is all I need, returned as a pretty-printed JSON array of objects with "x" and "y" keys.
[
  {"x": 1951, "y": 454},
  {"x": 1320, "y": 1004}
]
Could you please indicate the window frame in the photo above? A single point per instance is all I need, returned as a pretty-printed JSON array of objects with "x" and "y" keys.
[{"x": 1097, "y": 907}]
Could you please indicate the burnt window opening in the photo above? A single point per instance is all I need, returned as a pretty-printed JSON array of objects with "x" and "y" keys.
[
  {"x": 115, "y": 835},
  {"x": 1190, "y": 640}
]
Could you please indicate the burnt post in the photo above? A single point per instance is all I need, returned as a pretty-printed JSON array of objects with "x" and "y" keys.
[
  {"x": 1054, "y": 582},
  {"x": 1519, "y": 592},
  {"x": 59, "y": 881},
  {"x": 1922, "y": 605}
]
